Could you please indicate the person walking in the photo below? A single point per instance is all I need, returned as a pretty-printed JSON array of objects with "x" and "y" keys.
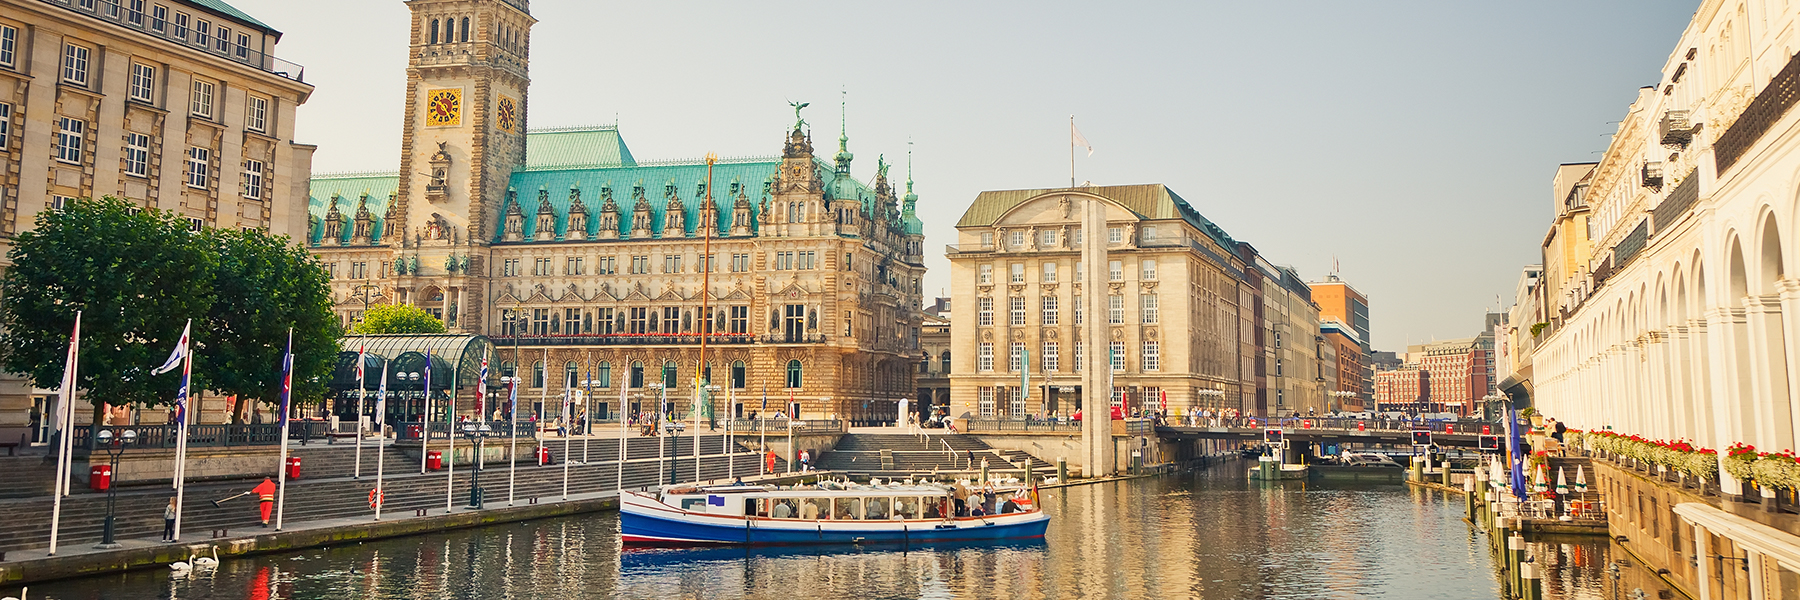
[
  {"x": 169, "y": 521},
  {"x": 805, "y": 461},
  {"x": 769, "y": 463},
  {"x": 265, "y": 494}
]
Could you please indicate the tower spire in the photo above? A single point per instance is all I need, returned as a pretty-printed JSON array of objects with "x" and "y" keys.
[{"x": 843, "y": 154}]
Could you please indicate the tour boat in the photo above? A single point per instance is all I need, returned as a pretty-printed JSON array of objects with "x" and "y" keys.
[{"x": 828, "y": 513}]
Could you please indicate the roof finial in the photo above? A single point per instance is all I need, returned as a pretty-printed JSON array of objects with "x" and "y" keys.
[
  {"x": 843, "y": 154},
  {"x": 909, "y": 145}
]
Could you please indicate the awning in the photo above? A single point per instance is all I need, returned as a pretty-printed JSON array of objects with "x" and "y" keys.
[{"x": 455, "y": 359}]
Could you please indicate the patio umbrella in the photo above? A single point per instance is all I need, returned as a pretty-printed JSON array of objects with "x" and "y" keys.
[
  {"x": 1580, "y": 479},
  {"x": 1539, "y": 482},
  {"x": 1562, "y": 483}
]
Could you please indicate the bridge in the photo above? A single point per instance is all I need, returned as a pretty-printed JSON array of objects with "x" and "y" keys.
[{"x": 1326, "y": 431}]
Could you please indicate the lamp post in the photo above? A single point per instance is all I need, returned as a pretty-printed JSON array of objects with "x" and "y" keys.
[
  {"x": 1490, "y": 406},
  {"x": 424, "y": 419},
  {"x": 1339, "y": 397},
  {"x": 477, "y": 433},
  {"x": 114, "y": 446},
  {"x": 512, "y": 436},
  {"x": 707, "y": 390},
  {"x": 661, "y": 448}
]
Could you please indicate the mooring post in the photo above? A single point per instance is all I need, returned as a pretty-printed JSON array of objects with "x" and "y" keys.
[{"x": 1062, "y": 469}]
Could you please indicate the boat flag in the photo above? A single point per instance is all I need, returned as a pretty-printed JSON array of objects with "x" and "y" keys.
[{"x": 481, "y": 389}]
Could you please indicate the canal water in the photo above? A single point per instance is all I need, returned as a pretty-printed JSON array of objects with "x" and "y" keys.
[{"x": 1202, "y": 534}]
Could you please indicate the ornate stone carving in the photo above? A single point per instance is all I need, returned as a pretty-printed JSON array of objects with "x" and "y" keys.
[
  {"x": 577, "y": 229},
  {"x": 674, "y": 213},
  {"x": 609, "y": 214},
  {"x": 640, "y": 214},
  {"x": 546, "y": 217},
  {"x": 438, "y": 228},
  {"x": 364, "y": 223},
  {"x": 515, "y": 219},
  {"x": 334, "y": 224},
  {"x": 438, "y": 189}
]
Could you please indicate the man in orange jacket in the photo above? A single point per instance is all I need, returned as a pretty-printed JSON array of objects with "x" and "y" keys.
[{"x": 265, "y": 492}]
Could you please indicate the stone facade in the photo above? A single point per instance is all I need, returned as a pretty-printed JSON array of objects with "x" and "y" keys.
[
  {"x": 173, "y": 105},
  {"x": 1173, "y": 297},
  {"x": 583, "y": 264}
]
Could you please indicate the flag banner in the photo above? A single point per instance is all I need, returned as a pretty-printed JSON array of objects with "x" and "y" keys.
[
  {"x": 481, "y": 389},
  {"x": 1079, "y": 140},
  {"x": 1514, "y": 456},
  {"x": 287, "y": 377},
  {"x": 181, "y": 350},
  {"x": 512, "y": 401},
  {"x": 381, "y": 397},
  {"x": 362, "y": 352},
  {"x": 426, "y": 419}
]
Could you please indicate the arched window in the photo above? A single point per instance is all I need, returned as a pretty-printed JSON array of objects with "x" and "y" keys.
[
  {"x": 465, "y": 30},
  {"x": 670, "y": 379},
  {"x": 434, "y": 31},
  {"x": 605, "y": 379},
  {"x": 572, "y": 379},
  {"x": 945, "y": 360},
  {"x": 637, "y": 373},
  {"x": 537, "y": 374},
  {"x": 793, "y": 378},
  {"x": 737, "y": 375},
  {"x": 507, "y": 369}
]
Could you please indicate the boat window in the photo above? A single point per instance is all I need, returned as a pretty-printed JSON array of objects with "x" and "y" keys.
[
  {"x": 934, "y": 508},
  {"x": 815, "y": 508},
  {"x": 907, "y": 508},
  {"x": 876, "y": 508},
  {"x": 762, "y": 506},
  {"x": 693, "y": 504},
  {"x": 783, "y": 509},
  {"x": 847, "y": 508}
]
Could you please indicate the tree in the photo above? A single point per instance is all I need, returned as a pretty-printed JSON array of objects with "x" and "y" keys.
[
  {"x": 136, "y": 275},
  {"x": 397, "y": 318},
  {"x": 266, "y": 285}
]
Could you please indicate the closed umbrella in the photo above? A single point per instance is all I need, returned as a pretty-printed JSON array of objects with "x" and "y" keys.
[
  {"x": 1580, "y": 479},
  {"x": 1539, "y": 480},
  {"x": 1562, "y": 483}
]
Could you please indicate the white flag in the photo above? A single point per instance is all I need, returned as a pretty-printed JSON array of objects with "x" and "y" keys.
[
  {"x": 1076, "y": 139},
  {"x": 181, "y": 350}
]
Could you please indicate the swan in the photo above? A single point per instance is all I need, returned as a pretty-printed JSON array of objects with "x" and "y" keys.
[
  {"x": 180, "y": 568},
  {"x": 21, "y": 595},
  {"x": 206, "y": 563}
]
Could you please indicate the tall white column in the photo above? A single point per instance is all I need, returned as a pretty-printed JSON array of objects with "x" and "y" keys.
[{"x": 1096, "y": 423}]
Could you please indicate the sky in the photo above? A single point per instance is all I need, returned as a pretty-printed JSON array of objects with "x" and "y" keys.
[{"x": 1412, "y": 143}]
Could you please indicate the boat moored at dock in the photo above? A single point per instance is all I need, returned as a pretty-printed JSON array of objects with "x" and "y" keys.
[{"x": 828, "y": 513}]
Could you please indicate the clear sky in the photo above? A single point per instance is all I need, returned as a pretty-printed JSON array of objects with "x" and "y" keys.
[{"x": 1413, "y": 141}]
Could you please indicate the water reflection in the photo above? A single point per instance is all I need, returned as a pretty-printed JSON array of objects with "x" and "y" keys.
[{"x": 1208, "y": 534}]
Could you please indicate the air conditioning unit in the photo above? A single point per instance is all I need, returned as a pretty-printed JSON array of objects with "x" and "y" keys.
[
  {"x": 1652, "y": 175},
  {"x": 1676, "y": 131}
]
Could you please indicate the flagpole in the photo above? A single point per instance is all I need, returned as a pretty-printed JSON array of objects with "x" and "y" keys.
[
  {"x": 762, "y": 433},
  {"x": 512, "y": 452},
  {"x": 1071, "y": 151},
  {"x": 380, "y": 418},
  {"x": 187, "y": 374},
  {"x": 567, "y": 402},
  {"x": 65, "y": 411},
  {"x": 425, "y": 418},
  {"x": 362, "y": 392},
  {"x": 537, "y": 425},
  {"x": 450, "y": 427},
  {"x": 624, "y": 432},
  {"x": 287, "y": 378},
  {"x": 730, "y": 415}
]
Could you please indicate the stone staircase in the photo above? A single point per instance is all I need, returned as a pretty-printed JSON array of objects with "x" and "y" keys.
[
  {"x": 902, "y": 453},
  {"x": 26, "y": 476},
  {"x": 25, "y": 523}
]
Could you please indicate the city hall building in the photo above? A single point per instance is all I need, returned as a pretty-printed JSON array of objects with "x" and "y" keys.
[{"x": 583, "y": 264}]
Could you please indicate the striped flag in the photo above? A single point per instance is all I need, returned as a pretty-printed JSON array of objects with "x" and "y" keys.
[
  {"x": 427, "y": 418},
  {"x": 287, "y": 376},
  {"x": 481, "y": 389},
  {"x": 178, "y": 358},
  {"x": 381, "y": 397}
]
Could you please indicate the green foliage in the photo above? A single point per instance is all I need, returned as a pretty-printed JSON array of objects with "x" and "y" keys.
[
  {"x": 266, "y": 285},
  {"x": 1537, "y": 328},
  {"x": 137, "y": 278},
  {"x": 397, "y": 318}
]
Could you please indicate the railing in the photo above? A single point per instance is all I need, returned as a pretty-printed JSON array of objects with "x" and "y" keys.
[
  {"x": 782, "y": 426},
  {"x": 1769, "y": 105},
  {"x": 1022, "y": 425},
  {"x": 624, "y": 339},
  {"x": 166, "y": 436},
  {"x": 119, "y": 13},
  {"x": 1339, "y": 424}
]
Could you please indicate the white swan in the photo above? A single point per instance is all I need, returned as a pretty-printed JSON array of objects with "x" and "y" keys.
[
  {"x": 21, "y": 595},
  {"x": 180, "y": 568},
  {"x": 206, "y": 563}
]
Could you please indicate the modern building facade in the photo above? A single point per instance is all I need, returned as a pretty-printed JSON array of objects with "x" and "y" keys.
[
  {"x": 178, "y": 105},
  {"x": 1286, "y": 368},
  {"x": 1339, "y": 301},
  {"x": 583, "y": 264},
  {"x": 1174, "y": 302},
  {"x": 934, "y": 360},
  {"x": 1403, "y": 390},
  {"x": 1350, "y": 364},
  {"x": 1458, "y": 374}
]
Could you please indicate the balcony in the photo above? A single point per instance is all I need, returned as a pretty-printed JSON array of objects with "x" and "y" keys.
[
  {"x": 1675, "y": 129},
  {"x": 118, "y": 14}
]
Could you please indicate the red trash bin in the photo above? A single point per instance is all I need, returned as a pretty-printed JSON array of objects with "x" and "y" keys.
[
  {"x": 434, "y": 460},
  {"x": 100, "y": 477},
  {"x": 1449, "y": 428},
  {"x": 543, "y": 455},
  {"x": 412, "y": 431},
  {"x": 293, "y": 467}
]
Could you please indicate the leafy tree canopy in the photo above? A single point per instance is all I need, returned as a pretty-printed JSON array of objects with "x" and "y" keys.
[
  {"x": 397, "y": 318},
  {"x": 138, "y": 276}
]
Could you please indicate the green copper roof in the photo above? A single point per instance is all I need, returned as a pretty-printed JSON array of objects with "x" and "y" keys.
[
  {"x": 349, "y": 189},
  {"x": 686, "y": 178},
  {"x": 1149, "y": 201},
  {"x": 228, "y": 10},
  {"x": 568, "y": 147}
]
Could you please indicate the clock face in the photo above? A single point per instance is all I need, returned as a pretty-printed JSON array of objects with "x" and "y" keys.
[
  {"x": 507, "y": 115},
  {"x": 443, "y": 108}
]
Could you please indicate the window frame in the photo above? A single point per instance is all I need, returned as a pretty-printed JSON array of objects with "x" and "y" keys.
[
  {"x": 143, "y": 83},
  {"x": 9, "y": 46},
  {"x": 201, "y": 97},
  {"x": 6, "y": 111},
  {"x": 137, "y": 156},
  {"x": 199, "y": 167},
  {"x": 256, "y": 113},
  {"x": 70, "y": 129},
  {"x": 253, "y": 178},
  {"x": 76, "y": 62}
]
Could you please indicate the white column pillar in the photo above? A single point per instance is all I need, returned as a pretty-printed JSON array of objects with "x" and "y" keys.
[
  {"x": 1096, "y": 430},
  {"x": 1702, "y": 562},
  {"x": 1769, "y": 372}
]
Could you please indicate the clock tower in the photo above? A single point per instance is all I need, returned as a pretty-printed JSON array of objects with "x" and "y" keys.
[{"x": 464, "y": 135}]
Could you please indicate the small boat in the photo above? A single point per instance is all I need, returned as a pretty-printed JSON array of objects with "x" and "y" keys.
[
  {"x": 829, "y": 513},
  {"x": 1269, "y": 469}
]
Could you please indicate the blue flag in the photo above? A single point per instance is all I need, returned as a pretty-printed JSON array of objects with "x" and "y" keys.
[
  {"x": 427, "y": 418},
  {"x": 1516, "y": 458},
  {"x": 287, "y": 377}
]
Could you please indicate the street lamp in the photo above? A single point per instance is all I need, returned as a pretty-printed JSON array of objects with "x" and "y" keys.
[
  {"x": 661, "y": 417},
  {"x": 114, "y": 446},
  {"x": 477, "y": 433},
  {"x": 1340, "y": 396}
]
